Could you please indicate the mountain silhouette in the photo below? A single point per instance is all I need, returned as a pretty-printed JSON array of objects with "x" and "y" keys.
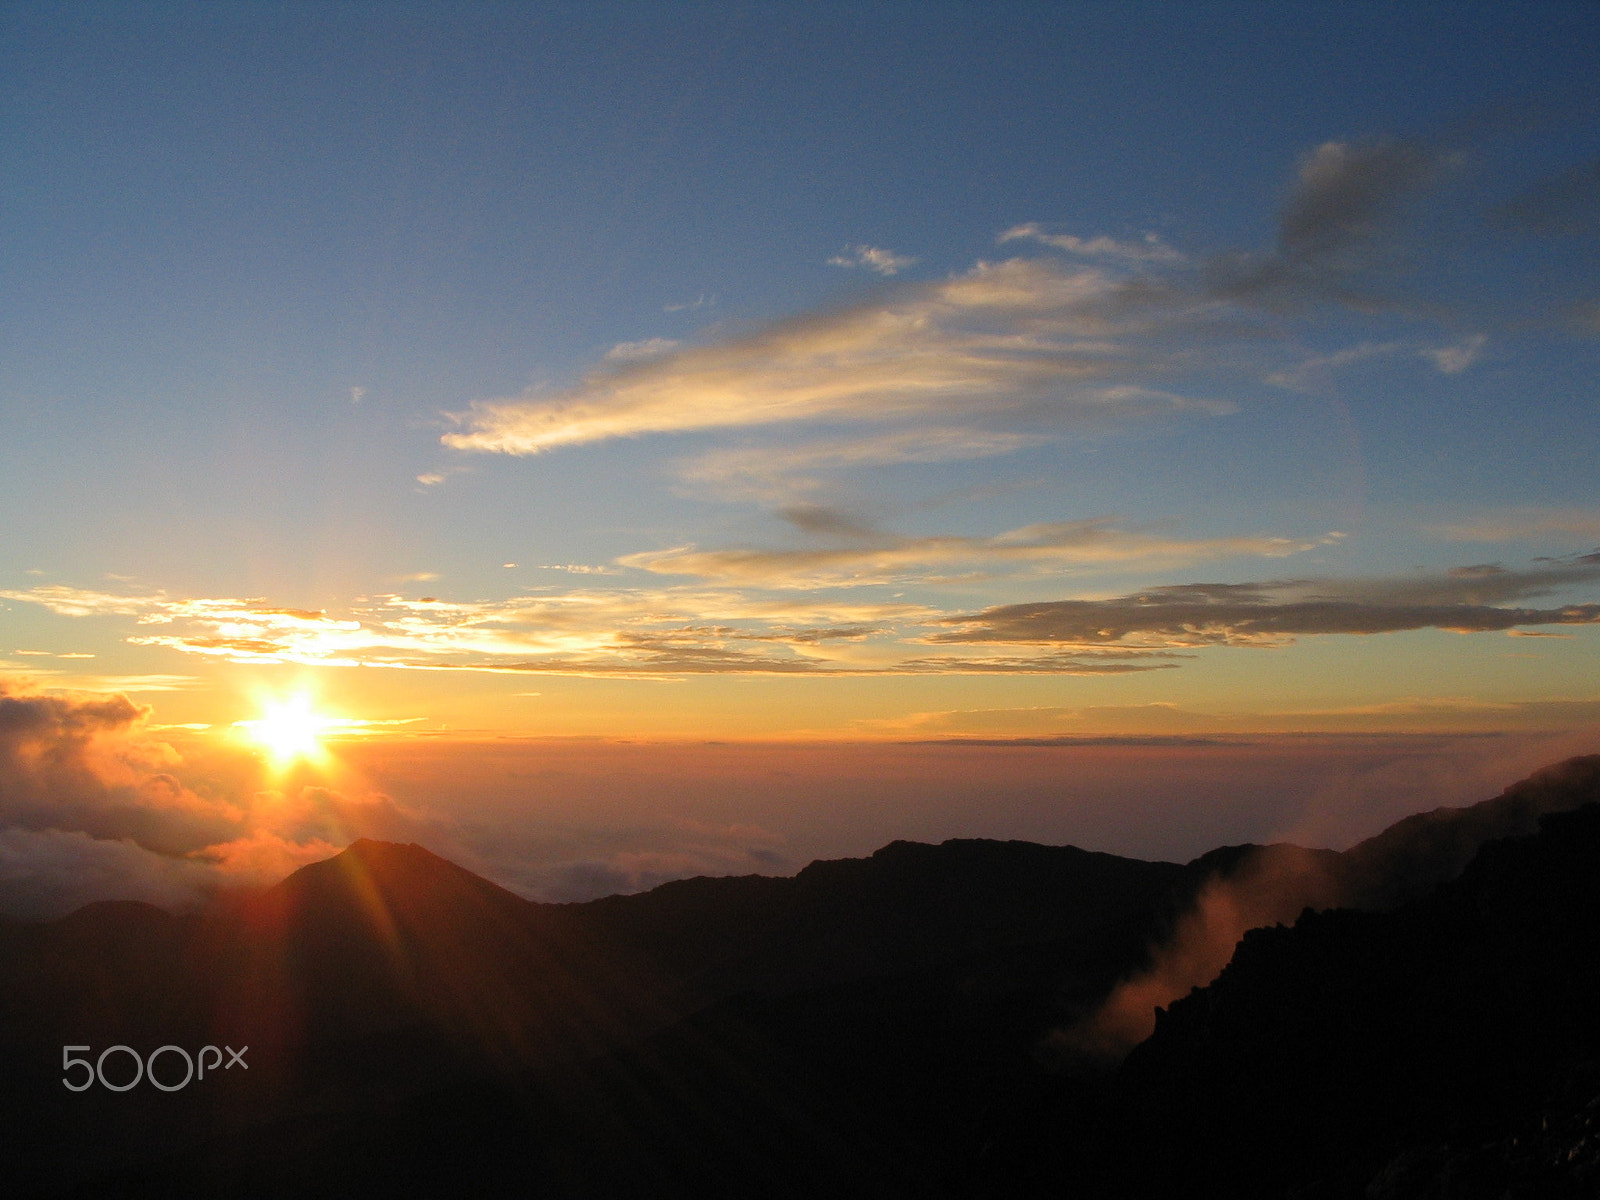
[
  {"x": 880, "y": 1026},
  {"x": 1449, "y": 1047}
]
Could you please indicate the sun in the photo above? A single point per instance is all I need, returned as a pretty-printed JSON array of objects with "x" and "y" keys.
[{"x": 288, "y": 730}]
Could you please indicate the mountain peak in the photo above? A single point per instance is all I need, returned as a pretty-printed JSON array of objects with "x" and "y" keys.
[{"x": 405, "y": 874}]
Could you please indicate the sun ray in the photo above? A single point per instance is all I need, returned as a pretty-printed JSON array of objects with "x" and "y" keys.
[{"x": 290, "y": 730}]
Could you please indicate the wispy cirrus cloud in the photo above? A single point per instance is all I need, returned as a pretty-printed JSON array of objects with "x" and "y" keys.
[
  {"x": 1164, "y": 723},
  {"x": 789, "y": 472},
  {"x": 1317, "y": 372},
  {"x": 873, "y": 258},
  {"x": 1028, "y": 338},
  {"x": 1147, "y": 249},
  {"x": 879, "y": 558},
  {"x": 1522, "y": 524},
  {"x": 649, "y": 348},
  {"x": 1100, "y": 329}
]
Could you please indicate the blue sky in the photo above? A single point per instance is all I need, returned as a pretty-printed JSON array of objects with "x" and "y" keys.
[{"x": 770, "y": 341}]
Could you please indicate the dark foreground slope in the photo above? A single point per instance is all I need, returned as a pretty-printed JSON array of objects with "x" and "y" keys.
[
  {"x": 869, "y": 1027},
  {"x": 1450, "y": 1048}
]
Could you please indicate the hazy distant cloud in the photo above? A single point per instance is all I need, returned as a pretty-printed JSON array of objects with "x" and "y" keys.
[
  {"x": 873, "y": 258},
  {"x": 1155, "y": 719},
  {"x": 699, "y": 302},
  {"x": 1521, "y": 524},
  {"x": 1452, "y": 360},
  {"x": 1467, "y": 600},
  {"x": 1164, "y": 723},
  {"x": 1148, "y": 249},
  {"x": 649, "y": 348},
  {"x": 47, "y": 873},
  {"x": 877, "y": 558},
  {"x": 683, "y": 849}
]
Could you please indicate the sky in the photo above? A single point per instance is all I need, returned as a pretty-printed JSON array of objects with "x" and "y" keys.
[{"x": 1044, "y": 406}]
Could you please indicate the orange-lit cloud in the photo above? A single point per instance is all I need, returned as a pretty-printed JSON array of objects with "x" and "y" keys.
[
  {"x": 92, "y": 807},
  {"x": 1024, "y": 335},
  {"x": 655, "y": 632}
]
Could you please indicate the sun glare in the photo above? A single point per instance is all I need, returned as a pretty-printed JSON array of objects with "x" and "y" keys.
[{"x": 288, "y": 730}]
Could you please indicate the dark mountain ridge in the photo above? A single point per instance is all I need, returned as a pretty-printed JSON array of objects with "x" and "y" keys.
[{"x": 868, "y": 1025}]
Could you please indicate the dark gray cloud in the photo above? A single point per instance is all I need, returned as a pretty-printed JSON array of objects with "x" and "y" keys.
[
  {"x": 1467, "y": 600},
  {"x": 60, "y": 722},
  {"x": 821, "y": 520},
  {"x": 1349, "y": 194},
  {"x": 1567, "y": 204},
  {"x": 1337, "y": 226}
]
